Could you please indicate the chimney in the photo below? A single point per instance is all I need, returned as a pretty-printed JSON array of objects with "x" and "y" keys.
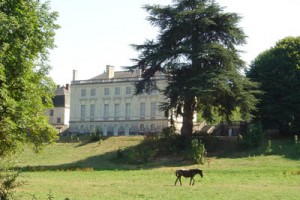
[
  {"x": 74, "y": 75},
  {"x": 110, "y": 71},
  {"x": 67, "y": 86}
]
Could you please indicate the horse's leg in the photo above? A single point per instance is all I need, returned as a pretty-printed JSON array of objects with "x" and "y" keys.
[
  {"x": 176, "y": 180},
  {"x": 192, "y": 179},
  {"x": 180, "y": 180}
]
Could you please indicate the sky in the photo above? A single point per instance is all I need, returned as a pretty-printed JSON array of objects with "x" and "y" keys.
[{"x": 96, "y": 33}]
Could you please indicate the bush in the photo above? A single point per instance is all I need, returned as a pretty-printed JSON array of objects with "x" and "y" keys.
[
  {"x": 168, "y": 132},
  {"x": 95, "y": 136},
  {"x": 174, "y": 144},
  {"x": 8, "y": 181},
  {"x": 253, "y": 137},
  {"x": 198, "y": 152}
]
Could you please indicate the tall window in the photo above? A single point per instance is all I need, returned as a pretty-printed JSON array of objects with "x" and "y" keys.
[
  {"x": 82, "y": 129},
  {"x": 104, "y": 129},
  {"x": 106, "y": 91},
  {"x": 83, "y": 92},
  {"x": 152, "y": 128},
  {"x": 117, "y": 111},
  {"x": 142, "y": 128},
  {"x": 116, "y": 129},
  {"x": 93, "y": 92},
  {"x": 92, "y": 128},
  {"x": 127, "y": 111},
  {"x": 92, "y": 111},
  {"x": 128, "y": 90},
  {"x": 82, "y": 112},
  {"x": 127, "y": 129},
  {"x": 153, "y": 110},
  {"x": 106, "y": 111},
  {"x": 117, "y": 91},
  {"x": 51, "y": 112},
  {"x": 142, "y": 110}
]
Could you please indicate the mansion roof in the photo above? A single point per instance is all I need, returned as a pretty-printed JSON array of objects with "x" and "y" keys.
[
  {"x": 117, "y": 75},
  {"x": 110, "y": 76}
]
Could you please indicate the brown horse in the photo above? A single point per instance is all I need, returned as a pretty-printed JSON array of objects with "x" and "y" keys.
[{"x": 187, "y": 173}]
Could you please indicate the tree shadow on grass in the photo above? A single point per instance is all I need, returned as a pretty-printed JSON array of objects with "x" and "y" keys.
[
  {"x": 217, "y": 148},
  {"x": 224, "y": 148},
  {"x": 130, "y": 157},
  {"x": 107, "y": 161}
]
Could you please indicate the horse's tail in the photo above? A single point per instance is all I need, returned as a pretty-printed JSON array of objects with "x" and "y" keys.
[{"x": 177, "y": 173}]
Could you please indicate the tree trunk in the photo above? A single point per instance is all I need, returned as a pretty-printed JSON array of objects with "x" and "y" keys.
[{"x": 188, "y": 116}]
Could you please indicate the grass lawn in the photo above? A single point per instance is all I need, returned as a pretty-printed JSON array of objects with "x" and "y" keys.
[{"x": 85, "y": 171}]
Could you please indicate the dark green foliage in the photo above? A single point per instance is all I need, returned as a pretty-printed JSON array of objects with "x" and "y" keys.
[
  {"x": 196, "y": 49},
  {"x": 168, "y": 132},
  {"x": 278, "y": 71},
  {"x": 153, "y": 146},
  {"x": 95, "y": 136},
  {"x": 172, "y": 143},
  {"x": 283, "y": 147},
  {"x": 140, "y": 154},
  {"x": 27, "y": 33},
  {"x": 253, "y": 137}
]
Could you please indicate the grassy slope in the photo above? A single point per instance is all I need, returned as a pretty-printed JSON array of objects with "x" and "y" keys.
[{"x": 241, "y": 176}]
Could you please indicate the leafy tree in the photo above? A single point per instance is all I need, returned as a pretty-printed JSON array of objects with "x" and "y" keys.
[
  {"x": 27, "y": 33},
  {"x": 278, "y": 71},
  {"x": 196, "y": 49}
]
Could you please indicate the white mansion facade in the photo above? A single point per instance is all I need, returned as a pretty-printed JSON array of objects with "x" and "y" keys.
[{"x": 107, "y": 103}]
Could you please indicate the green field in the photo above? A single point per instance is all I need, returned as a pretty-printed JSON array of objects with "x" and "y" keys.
[{"x": 85, "y": 171}]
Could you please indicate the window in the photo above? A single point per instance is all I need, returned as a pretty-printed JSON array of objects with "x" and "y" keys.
[
  {"x": 117, "y": 91},
  {"x": 116, "y": 129},
  {"x": 104, "y": 128},
  {"x": 152, "y": 128},
  {"x": 51, "y": 112},
  {"x": 142, "y": 110},
  {"x": 106, "y": 91},
  {"x": 82, "y": 112},
  {"x": 106, "y": 110},
  {"x": 92, "y": 111},
  {"x": 128, "y": 90},
  {"x": 142, "y": 128},
  {"x": 153, "y": 110},
  {"x": 93, "y": 92},
  {"x": 127, "y": 111},
  {"x": 92, "y": 128},
  {"x": 83, "y": 92},
  {"x": 117, "y": 111},
  {"x": 82, "y": 129},
  {"x": 58, "y": 120},
  {"x": 127, "y": 129}
]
